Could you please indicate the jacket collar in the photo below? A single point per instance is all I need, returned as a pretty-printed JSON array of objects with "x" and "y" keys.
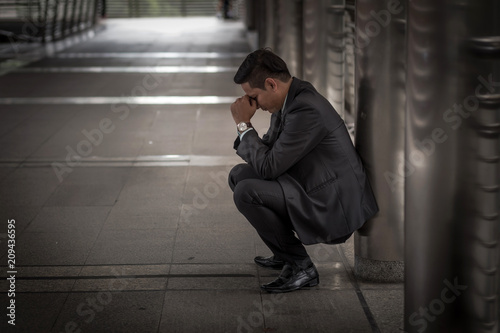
[{"x": 292, "y": 91}]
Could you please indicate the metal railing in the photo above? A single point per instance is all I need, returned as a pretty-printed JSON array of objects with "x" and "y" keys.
[
  {"x": 45, "y": 20},
  {"x": 483, "y": 257},
  {"x": 166, "y": 8}
]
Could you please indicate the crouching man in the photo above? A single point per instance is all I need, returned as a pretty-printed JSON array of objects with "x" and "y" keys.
[{"x": 303, "y": 178}]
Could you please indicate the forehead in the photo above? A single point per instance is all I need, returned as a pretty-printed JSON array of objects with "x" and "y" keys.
[{"x": 249, "y": 90}]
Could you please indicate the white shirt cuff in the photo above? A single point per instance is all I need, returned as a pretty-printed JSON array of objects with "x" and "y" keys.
[{"x": 242, "y": 134}]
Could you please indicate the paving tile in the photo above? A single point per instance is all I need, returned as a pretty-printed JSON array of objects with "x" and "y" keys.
[
  {"x": 208, "y": 311},
  {"x": 79, "y": 220},
  {"x": 125, "y": 270},
  {"x": 218, "y": 215},
  {"x": 120, "y": 284},
  {"x": 119, "y": 145},
  {"x": 208, "y": 198},
  {"x": 23, "y": 215},
  {"x": 34, "y": 311},
  {"x": 53, "y": 248},
  {"x": 114, "y": 84},
  {"x": 160, "y": 177},
  {"x": 315, "y": 311},
  {"x": 19, "y": 218},
  {"x": 90, "y": 187},
  {"x": 5, "y": 172},
  {"x": 213, "y": 277},
  {"x": 41, "y": 286},
  {"x": 191, "y": 254},
  {"x": 151, "y": 194},
  {"x": 152, "y": 246},
  {"x": 28, "y": 135},
  {"x": 83, "y": 133},
  {"x": 13, "y": 116},
  {"x": 172, "y": 143},
  {"x": 28, "y": 187},
  {"x": 157, "y": 190},
  {"x": 214, "y": 269},
  {"x": 387, "y": 307},
  {"x": 104, "y": 311},
  {"x": 217, "y": 238},
  {"x": 213, "y": 283},
  {"x": 126, "y": 217},
  {"x": 47, "y": 271},
  {"x": 333, "y": 276},
  {"x": 172, "y": 131}
]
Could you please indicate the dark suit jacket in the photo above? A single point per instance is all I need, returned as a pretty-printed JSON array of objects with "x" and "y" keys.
[{"x": 309, "y": 152}]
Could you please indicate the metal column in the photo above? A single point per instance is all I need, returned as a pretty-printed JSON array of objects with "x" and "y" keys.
[
  {"x": 266, "y": 17},
  {"x": 336, "y": 56},
  {"x": 380, "y": 134},
  {"x": 289, "y": 39},
  {"x": 452, "y": 167},
  {"x": 314, "y": 43},
  {"x": 482, "y": 262}
]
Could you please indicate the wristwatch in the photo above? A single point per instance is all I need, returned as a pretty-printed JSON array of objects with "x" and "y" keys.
[{"x": 242, "y": 127}]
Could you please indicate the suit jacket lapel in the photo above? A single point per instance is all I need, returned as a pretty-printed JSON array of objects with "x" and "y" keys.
[{"x": 278, "y": 119}]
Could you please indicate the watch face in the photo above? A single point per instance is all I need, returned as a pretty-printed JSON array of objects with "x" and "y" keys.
[{"x": 242, "y": 127}]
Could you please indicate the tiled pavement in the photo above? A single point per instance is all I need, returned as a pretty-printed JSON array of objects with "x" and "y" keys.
[{"x": 123, "y": 219}]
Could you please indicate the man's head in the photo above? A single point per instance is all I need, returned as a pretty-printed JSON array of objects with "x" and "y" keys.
[
  {"x": 265, "y": 78},
  {"x": 260, "y": 65}
]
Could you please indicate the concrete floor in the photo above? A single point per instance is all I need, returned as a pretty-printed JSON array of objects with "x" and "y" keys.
[{"x": 115, "y": 149}]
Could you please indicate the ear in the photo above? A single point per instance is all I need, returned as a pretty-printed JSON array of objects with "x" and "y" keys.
[{"x": 272, "y": 84}]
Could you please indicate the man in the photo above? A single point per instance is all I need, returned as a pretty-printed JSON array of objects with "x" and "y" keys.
[{"x": 304, "y": 176}]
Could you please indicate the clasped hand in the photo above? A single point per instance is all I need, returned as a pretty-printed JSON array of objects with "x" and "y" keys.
[{"x": 243, "y": 109}]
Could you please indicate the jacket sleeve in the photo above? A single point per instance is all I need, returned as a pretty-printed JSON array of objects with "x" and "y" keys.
[
  {"x": 303, "y": 129},
  {"x": 236, "y": 143},
  {"x": 268, "y": 137}
]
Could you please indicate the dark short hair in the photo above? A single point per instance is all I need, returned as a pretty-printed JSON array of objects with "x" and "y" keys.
[{"x": 260, "y": 65}]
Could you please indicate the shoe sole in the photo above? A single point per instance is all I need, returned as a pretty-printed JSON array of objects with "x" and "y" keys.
[
  {"x": 270, "y": 267},
  {"x": 312, "y": 283}
]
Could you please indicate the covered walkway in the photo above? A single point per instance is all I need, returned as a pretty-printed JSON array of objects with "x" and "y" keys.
[{"x": 114, "y": 154}]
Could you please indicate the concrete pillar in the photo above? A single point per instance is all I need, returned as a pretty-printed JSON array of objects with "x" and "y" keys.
[{"x": 380, "y": 134}]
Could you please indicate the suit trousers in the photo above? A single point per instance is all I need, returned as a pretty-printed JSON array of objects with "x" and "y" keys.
[{"x": 263, "y": 204}]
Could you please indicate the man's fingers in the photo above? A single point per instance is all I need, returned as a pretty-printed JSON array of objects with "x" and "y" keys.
[{"x": 251, "y": 101}]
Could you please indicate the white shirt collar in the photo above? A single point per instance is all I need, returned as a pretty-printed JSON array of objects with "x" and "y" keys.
[{"x": 284, "y": 103}]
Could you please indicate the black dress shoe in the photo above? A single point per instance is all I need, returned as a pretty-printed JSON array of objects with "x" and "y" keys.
[
  {"x": 308, "y": 277},
  {"x": 285, "y": 274},
  {"x": 269, "y": 262}
]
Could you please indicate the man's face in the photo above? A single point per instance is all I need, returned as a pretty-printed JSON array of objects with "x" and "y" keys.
[{"x": 267, "y": 100}]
